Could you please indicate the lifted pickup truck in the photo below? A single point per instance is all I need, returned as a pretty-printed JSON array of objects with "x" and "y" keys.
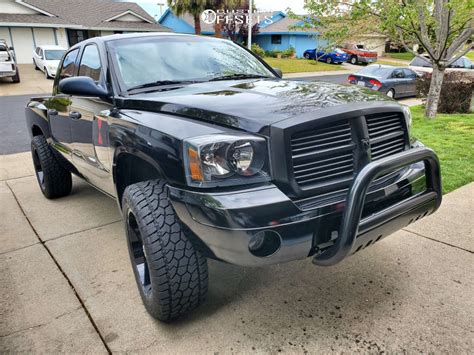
[
  {"x": 212, "y": 155},
  {"x": 8, "y": 66},
  {"x": 357, "y": 54}
]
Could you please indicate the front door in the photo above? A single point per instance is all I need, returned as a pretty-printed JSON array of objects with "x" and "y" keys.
[
  {"x": 59, "y": 106},
  {"x": 89, "y": 125}
]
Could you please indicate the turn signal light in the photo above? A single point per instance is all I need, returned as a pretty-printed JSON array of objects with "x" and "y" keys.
[{"x": 351, "y": 78}]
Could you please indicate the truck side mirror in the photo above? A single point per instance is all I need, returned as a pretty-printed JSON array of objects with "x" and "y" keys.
[
  {"x": 82, "y": 86},
  {"x": 278, "y": 72}
]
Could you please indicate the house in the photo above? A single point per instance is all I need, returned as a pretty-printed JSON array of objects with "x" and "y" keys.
[
  {"x": 25, "y": 24},
  {"x": 276, "y": 30}
]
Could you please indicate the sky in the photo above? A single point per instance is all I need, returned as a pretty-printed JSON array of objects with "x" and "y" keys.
[{"x": 152, "y": 7}]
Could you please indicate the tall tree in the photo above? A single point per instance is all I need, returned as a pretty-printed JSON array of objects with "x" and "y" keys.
[
  {"x": 192, "y": 7},
  {"x": 220, "y": 6},
  {"x": 442, "y": 28}
]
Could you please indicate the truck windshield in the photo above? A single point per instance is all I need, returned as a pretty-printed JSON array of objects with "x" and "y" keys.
[
  {"x": 53, "y": 54},
  {"x": 158, "y": 59}
]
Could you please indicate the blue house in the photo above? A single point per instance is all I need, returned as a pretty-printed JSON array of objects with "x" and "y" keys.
[{"x": 277, "y": 31}]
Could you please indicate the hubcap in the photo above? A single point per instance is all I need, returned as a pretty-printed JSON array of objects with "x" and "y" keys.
[
  {"x": 38, "y": 169},
  {"x": 138, "y": 253},
  {"x": 390, "y": 93}
]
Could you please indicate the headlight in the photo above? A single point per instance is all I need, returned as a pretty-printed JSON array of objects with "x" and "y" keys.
[
  {"x": 408, "y": 117},
  {"x": 223, "y": 160}
]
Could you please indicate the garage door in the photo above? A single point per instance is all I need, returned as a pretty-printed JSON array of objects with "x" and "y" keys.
[
  {"x": 44, "y": 36},
  {"x": 23, "y": 43}
]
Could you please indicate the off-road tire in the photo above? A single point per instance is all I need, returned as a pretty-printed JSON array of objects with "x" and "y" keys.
[
  {"x": 55, "y": 180},
  {"x": 175, "y": 270}
]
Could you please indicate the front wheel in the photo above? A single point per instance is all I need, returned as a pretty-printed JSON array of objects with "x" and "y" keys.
[
  {"x": 329, "y": 60},
  {"x": 171, "y": 274},
  {"x": 353, "y": 60},
  {"x": 306, "y": 55},
  {"x": 46, "y": 74}
]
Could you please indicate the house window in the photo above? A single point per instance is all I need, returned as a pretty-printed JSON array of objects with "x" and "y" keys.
[
  {"x": 76, "y": 36},
  {"x": 276, "y": 39}
]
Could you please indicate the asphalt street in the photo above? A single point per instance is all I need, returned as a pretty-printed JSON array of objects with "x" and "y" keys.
[{"x": 15, "y": 137}]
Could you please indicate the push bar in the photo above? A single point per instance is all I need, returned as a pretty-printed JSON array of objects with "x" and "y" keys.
[{"x": 356, "y": 198}]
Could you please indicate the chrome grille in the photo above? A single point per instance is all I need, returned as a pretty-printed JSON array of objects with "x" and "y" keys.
[
  {"x": 386, "y": 133},
  {"x": 324, "y": 155}
]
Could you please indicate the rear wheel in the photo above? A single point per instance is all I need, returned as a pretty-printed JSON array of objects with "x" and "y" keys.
[
  {"x": 353, "y": 60},
  {"x": 329, "y": 60},
  {"x": 306, "y": 55},
  {"x": 16, "y": 77},
  {"x": 391, "y": 93},
  {"x": 53, "y": 179},
  {"x": 171, "y": 274}
]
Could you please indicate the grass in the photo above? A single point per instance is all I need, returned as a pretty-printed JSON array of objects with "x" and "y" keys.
[
  {"x": 402, "y": 56},
  {"x": 452, "y": 138},
  {"x": 289, "y": 65},
  {"x": 470, "y": 55}
]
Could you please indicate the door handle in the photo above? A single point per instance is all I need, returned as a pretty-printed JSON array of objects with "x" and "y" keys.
[{"x": 75, "y": 115}]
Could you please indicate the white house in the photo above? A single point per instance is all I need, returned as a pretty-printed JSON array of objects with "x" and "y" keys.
[{"x": 26, "y": 24}]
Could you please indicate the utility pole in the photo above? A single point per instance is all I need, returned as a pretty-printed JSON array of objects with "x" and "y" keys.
[{"x": 249, "y": 25}]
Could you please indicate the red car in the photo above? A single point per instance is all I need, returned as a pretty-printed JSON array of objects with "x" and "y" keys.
[{"x": 357, "y": 54}]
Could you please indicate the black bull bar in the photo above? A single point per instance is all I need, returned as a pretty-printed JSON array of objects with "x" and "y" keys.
[{"x": 351, "y": 220}]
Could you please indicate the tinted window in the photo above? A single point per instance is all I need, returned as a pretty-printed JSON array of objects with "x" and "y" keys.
[
  {"x": 69, "y": 65},
  {"x": 418, "y": 62},
  {"x": 458, "y": 63},
  {"x": 409, "y": 73},
  {"x": 398, "y": 73},
  {"x": 90, "y": 63},
  {"x": 53, "y": 54}
]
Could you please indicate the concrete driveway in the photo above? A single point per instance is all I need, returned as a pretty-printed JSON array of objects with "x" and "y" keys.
[
  {"x": 32, "y": 82},
  {"x": 67, "y": 285}
]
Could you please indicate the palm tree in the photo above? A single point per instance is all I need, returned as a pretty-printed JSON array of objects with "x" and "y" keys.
[{"x": 193, "y": 7}]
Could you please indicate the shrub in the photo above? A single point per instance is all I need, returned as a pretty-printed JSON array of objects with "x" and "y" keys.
[
  {"x": 456, "y": 92},
  {"x": 272, "y": 53},
  {"x": 258, "y": 50},
  {"x": 290, "y": 52}
]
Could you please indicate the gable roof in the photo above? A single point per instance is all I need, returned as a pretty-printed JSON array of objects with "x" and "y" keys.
[
  {"x": 284, "y": 25},
  {"x": 87, "y": 14}
]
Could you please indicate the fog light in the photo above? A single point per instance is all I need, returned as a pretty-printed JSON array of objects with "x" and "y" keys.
[{"x": 265, "y": 243}]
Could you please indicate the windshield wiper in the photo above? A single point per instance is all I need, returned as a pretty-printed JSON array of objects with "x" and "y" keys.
[
  {"x": 239, "y": 76},
  {"x": 161, "y": 83}
]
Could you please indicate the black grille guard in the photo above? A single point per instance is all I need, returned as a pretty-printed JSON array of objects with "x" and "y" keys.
[{"x": 356, "y": 198}]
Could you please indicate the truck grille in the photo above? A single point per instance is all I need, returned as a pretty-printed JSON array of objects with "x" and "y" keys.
[
  {"x": 325, "y": 158},
  {"x": 386, "y": 133},
  {"x": 323, "y": 155}
]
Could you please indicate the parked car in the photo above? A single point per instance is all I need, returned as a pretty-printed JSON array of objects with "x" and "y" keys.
[
  {"x": 357, "y": 54},
  {"x": 223, "y": 159},
  {"x": 336, "y": 56},
  {"x": 46, "y": 59},
  {"x": 395, "y": 82},
  {"x": 8, "y": 65},
  {"x": 422, "y": 65}
]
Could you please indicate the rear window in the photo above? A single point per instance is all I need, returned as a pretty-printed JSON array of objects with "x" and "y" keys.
[
  {"x": 419, "y": 62},
  {"x": 376, "y": 70}
]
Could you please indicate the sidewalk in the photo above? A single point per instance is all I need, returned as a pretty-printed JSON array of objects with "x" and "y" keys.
[{"x": 67, "y": 285}]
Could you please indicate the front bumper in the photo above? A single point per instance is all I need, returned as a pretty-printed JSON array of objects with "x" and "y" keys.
[{"x": 229, "y": 223}]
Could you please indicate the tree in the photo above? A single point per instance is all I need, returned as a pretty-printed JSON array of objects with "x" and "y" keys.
[
  {"x": 442, "y": 28},
  {"x": 192, "y": 7},
  {"x": 221, "y": 6}
]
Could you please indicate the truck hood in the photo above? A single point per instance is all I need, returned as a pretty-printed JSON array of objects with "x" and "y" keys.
[{"x": 249, "y": 104}]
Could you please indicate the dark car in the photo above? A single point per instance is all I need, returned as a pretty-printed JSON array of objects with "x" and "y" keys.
[
  {"x": 336, "y": 56},
  {"x": 395, "y": 82},
  {"x": 213, "y": 155}
]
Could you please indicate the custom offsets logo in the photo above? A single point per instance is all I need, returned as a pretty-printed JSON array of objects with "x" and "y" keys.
[{"x": 238, "y": 16}]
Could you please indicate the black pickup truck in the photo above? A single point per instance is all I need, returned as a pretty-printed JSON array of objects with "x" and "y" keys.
[{"x": 210, "y": 154}]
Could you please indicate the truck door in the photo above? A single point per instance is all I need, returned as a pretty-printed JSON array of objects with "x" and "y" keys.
[
  {"x": 89, "y": 125},
  {"x": 58, "y": 107}
]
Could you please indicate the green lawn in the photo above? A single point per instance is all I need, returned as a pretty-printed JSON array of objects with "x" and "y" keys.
[
  {"x": 452, "y": 138},
  {"x": 388, "y": 62},
  {"x": 470, "y": 55},
  {"x": 403, "y": 56},
  {"x": 289, "y": 65}
]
